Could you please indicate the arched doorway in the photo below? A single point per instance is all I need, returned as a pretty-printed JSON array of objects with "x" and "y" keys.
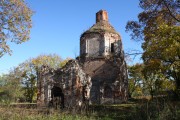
[{"x": 57, "y": 97}]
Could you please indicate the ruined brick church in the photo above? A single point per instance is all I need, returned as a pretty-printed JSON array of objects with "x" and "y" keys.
[{"x": 97, "y": 76}]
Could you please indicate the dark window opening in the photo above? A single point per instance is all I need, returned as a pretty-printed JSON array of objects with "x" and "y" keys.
[
  {"x": 112, "y": 47},
  {"x": 57, "y": 97},
  {"x": 107, "y": 92}
]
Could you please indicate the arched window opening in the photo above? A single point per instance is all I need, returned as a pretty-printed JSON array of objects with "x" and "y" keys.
[{"x": 57, "y": 97}]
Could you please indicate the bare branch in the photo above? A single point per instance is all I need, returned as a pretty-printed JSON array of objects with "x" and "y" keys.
[{"x": 170, "y": 12}]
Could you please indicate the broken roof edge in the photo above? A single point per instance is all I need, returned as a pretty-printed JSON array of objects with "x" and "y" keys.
[
  {"x": 101, "y": 28},
  {"x": 98, "y": 32}
]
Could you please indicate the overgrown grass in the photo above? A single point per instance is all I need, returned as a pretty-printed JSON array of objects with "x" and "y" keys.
[
  {"x": 140, "y": 109},
  {"x": 136, "y": 109},
  {"x": 34, "y": 114}
]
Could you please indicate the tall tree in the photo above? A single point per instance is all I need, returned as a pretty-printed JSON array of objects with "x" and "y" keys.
[
  {"x": 158, "y": 27},
  {"x": 15, "y": 23}
]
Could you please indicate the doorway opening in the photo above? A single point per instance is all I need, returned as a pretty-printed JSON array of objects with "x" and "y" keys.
[{"x": 57, "y": 97}]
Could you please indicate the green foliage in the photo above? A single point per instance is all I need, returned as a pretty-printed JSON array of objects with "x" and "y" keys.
[
  {"x": 11, "y": 89},
  {"x": 15, "y": 23},
  {"x": 3, "y": 92},
  {"x": 135, "y": 79},
  {"x": 162, "y": 53},
  {"x": 51, "y": 60},
  {"x": 30, "y": 70},
  {"x": 63, "y": 63},
  {"x": 21, "y": 82},
  {"x": 142, "y": 81},
  {"x": 29, "y": 85},
  {"x": 158, "y": 27}
]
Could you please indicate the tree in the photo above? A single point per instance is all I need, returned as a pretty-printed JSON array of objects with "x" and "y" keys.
[
  {"x": 158, "y": 27},
  {"x": 11, "y": 88},
  {"x": 15, "y": 23},
  {"x": 145, "y": 82},
  {"x": 21, "y": 82},
  {"x": 52, "y": 60},
  {"x": 29, "y": 81},
  {"x": 136, "y": 79},
  {"x": 162, "y": 53},
  {"x": 3, "y": 94},
  {"x": 30, "y": 69}
]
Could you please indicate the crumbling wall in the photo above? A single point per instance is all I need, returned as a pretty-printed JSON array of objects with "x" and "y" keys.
[
  {"x": 109, "y": 79},
  {"x": 112, "y": 43},
  {"x": 75, "y": 83},
  {"x": 44, "y": 82},
  {"x": 74, "y": 86}
]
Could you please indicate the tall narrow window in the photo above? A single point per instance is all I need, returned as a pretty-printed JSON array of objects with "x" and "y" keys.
[{"x": 112, "y": 47}]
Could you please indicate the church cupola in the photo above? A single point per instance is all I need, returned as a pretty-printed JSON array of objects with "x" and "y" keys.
[{"x": 101, "y": 39}]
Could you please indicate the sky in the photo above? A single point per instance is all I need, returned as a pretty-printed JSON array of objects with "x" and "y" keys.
[{"x": 58, "y": 24}]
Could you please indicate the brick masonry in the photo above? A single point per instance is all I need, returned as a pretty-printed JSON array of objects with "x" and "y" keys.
[{"x": 97, "y": 76}]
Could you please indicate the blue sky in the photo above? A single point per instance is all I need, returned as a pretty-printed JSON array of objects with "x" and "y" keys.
[{"x": 58, "y": 24}]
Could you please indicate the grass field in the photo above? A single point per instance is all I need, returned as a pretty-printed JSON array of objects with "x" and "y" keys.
[{"x": 137, "y": 109}]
